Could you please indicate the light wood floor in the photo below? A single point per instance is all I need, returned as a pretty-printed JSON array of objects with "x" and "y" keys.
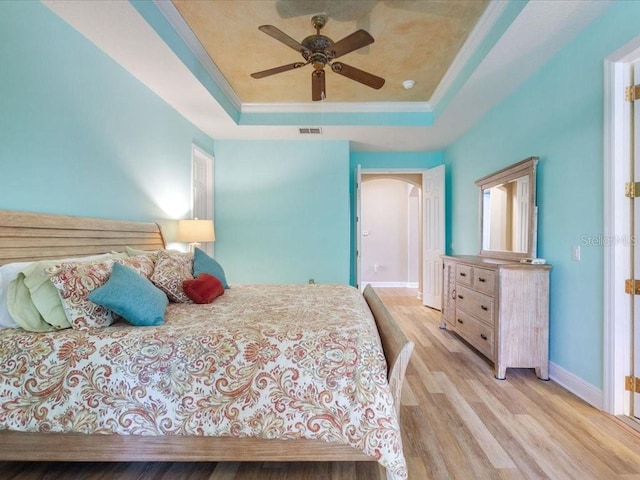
[{"x": 458, "y": 423}]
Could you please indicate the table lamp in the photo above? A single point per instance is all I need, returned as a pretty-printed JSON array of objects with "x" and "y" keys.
[{"x": 195, "y": 232}]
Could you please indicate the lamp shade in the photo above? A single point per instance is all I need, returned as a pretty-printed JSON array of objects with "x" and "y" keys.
[{"x": 196, "y": 231}]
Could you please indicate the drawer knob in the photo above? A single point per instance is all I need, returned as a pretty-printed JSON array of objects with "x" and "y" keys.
[
  {"x": 486, "y": 309},
  {"x": 460, "y": 297},
  {"x": 460, "y": 321},
  {"x": 483, "y": 336},
  {"x": 481, "y": 279},
  {"x": 463, "y": 274}
]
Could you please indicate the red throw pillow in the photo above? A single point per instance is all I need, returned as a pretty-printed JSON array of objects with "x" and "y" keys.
[{"x": 204, "y": 288}]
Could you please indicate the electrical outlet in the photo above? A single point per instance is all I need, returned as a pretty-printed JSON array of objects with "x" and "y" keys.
[{"x": 575, "y": 253}]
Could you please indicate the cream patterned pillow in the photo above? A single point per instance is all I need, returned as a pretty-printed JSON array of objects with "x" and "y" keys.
[
  {"x": 172, "y": 268},
  {"x": 75, "y": 281}
]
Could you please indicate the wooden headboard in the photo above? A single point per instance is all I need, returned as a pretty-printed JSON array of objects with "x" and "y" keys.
[{"x": 33, "y": 236}]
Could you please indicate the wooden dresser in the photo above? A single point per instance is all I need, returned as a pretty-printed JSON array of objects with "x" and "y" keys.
[{"x": 501, "y": 308}]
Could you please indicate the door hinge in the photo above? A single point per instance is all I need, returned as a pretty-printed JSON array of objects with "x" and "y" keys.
[
  {"x": 632, "y": 287},
  {"x": 631, "y": 94},
  {"x": 632, "y": 384},
  {"x": 631, "y": 189}
]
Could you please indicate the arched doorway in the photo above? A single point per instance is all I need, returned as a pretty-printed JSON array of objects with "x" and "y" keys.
[
  {"x": 391, "y": 233},
  {"x": 430, "y": 183}
]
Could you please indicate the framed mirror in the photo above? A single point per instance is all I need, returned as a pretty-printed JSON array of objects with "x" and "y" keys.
[{"x": 508, "y": 212}]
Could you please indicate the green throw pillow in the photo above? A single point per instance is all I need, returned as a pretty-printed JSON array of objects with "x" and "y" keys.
[
  {"x": 22, "y": 309},
  {"x": 44, "y": 294}
]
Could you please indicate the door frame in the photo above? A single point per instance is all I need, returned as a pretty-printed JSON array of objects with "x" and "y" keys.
[
  {"x": 198, "y": 154},
  {"x": 390, "y": 171},
  {"x": 616, "y": 344}
]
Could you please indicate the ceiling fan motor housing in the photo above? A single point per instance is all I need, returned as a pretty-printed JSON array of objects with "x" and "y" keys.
[{"x": 317, "y": 50}]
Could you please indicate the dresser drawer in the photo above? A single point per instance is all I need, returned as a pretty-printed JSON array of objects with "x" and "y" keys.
[
  {"x": 464, "y": 274},
  {"x": 484, "y": 280},
  {"x": 475, "y": 303},
  {"x": 475, "y": 332}
]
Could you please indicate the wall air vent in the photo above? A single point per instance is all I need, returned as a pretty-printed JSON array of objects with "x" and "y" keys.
[{"x": 310, "y": 131}]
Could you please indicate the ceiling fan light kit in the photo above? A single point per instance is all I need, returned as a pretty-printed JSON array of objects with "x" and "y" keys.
[{"x": 320, "y": 51}]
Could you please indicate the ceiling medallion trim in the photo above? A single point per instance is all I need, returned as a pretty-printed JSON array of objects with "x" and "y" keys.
[
  {"x": 478, "y": 34},
  {"x": 178, "y": 23}
]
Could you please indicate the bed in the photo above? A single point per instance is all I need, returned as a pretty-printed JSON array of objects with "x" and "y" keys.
[{"x": 257, "y": 423}]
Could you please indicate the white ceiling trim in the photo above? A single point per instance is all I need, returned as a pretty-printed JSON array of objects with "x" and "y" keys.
[
  {"x": 182, "y": 28},
  {"x": 471, "y": 45},
  {"x": 121, "y": 33},
  {"x": 338, "y": 107}
]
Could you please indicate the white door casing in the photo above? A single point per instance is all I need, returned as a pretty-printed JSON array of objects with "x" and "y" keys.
[
  {"x": 633, "y": 132},
  {"x": 358, "y": 251},
  {"x": 617, "y": 344},
  {"x": 202, "y": 189}
]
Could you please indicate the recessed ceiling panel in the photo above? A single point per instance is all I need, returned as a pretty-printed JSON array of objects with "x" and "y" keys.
[{"x": 414, "y": 39}]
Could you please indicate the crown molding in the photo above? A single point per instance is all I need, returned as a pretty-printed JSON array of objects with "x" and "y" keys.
[
  {"x": 338, "y": 107},
  {"x": 469, "y": 48},
  {"x": 174, "y": 18}
]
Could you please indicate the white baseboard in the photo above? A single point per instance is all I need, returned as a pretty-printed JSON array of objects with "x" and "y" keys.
[
  {"x": 576, "y": 385},
  {"x": 392, "y": 284}
]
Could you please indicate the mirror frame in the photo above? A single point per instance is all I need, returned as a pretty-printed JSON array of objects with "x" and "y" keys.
[{"x": 507, "y": 174}]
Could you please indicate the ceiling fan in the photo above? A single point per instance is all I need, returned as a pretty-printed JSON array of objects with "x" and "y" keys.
[{"x": 320, "y": 51}]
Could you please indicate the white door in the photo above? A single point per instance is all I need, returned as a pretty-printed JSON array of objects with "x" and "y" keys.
[
  {"x": 202, "y": 189},
  {"x": 359, "y": 228},
  {"x": 433, "y": 236},
  {"x": 635, "y": 230}
]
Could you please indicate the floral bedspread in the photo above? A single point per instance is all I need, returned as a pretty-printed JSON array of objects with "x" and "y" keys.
[{"x": 284, "y": 362}]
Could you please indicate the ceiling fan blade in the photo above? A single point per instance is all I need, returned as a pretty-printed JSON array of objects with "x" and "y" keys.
[
  {"x": 273, "y": 71},
  {"x": 318, "y": 91},
  {"x": 358, "y": 75},
  {"x": 350, "y": 43},
  {"x": 282, "y": 37}
]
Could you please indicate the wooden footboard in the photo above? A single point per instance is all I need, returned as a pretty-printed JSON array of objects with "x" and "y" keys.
[
  {"x": 28, "y": 236},
  {"x": 76, "y": 447},
  {"x": 396, "y": 346}
]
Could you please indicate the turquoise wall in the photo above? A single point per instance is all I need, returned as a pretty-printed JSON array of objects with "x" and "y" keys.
[
  {"x": 556, "y": 115},
  {"x": 81, "y": 136},
  {"x": 282, "y": 211},
  {"x": 382, "y": 160}
]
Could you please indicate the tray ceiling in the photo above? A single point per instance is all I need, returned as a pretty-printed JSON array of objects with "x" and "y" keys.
[{"x": 414, "y": 40}]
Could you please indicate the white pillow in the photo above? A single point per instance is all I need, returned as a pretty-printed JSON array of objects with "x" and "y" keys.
[{"x": 8, "y": 273}]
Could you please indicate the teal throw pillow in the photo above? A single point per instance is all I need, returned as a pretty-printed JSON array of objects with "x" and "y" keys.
[
  {"x": 131, "y": 296},
  {"x": 203, "y": 263}
]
